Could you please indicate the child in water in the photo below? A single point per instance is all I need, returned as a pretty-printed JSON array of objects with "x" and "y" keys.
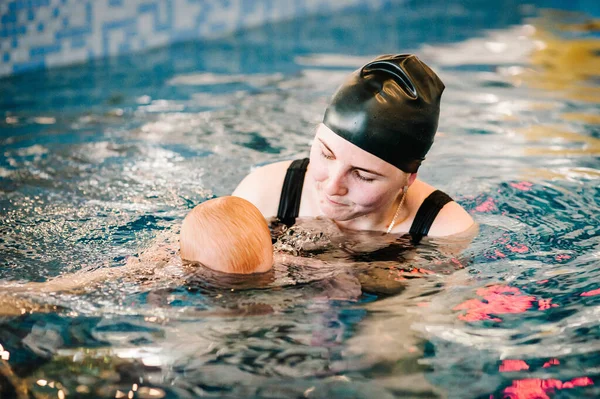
[
  {"x": 224, "y": 243},
  {"x": 227, "y": 235},
  {"x": 221, "y": 237}
]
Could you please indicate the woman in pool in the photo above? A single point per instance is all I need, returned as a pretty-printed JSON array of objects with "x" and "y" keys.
[{"x": 362, "y": 170}]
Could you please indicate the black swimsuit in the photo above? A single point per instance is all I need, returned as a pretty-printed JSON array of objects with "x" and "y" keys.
[{"x": 291, "y": 193}]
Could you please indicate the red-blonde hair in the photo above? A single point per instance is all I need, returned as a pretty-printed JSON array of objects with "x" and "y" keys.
[{"x": 227, "y": 234}]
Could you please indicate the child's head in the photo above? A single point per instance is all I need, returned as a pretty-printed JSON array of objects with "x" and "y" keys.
[{"x": 227, "y": 234}]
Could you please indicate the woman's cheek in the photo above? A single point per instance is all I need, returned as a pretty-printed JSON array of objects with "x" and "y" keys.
[
  {"x": 368, "y": 197},
  {"x": 318, "y": 169}
]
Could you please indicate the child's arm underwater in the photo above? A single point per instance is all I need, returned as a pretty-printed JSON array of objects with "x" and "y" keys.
[{"x": 149, "y": 265}]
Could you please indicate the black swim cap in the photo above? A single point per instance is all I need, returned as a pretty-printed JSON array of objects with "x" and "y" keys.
[{"x": 390, "y": 108}]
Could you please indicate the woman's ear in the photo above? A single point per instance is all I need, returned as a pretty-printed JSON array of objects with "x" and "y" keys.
[{"x": 411, "y": 178}]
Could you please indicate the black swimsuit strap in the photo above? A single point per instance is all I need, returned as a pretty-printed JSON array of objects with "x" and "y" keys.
[
  {"x": 291, "y": 192},
  {"x": 426, "y": 214}
]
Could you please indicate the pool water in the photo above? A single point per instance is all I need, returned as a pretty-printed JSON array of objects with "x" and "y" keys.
[{"x": 101, "y": 160}]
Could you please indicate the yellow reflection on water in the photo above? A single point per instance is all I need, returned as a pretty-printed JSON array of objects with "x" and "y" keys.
[
  {"x": 568, "y": 173},
  {"x": 564, "y": 66},
  {"x": 559, "y": 141},
  {"x": 587, "y": 26},
  {"x": 590, "y": 119},
  {"x": 16, "y": 306}
]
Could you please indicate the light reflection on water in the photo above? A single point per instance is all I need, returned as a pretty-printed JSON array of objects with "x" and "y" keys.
[{"x": 89, "y": 186}]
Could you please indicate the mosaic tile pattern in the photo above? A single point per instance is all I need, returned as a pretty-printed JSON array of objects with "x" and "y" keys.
[{"x": 36, "y": 34}]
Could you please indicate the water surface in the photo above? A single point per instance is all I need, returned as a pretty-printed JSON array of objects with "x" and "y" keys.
[{"x": 99, "y": 160}]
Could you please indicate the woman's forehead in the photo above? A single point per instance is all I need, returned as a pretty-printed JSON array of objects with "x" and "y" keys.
[{"x": 351, "y": 153}]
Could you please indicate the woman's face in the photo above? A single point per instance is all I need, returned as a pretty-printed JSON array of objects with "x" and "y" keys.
[{"x": 350, "y": 182}]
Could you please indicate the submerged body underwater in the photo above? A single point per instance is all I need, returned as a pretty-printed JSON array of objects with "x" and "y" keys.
[{"x": 101, "y": 162}]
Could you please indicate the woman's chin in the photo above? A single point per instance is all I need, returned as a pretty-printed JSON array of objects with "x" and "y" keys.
[{"x": 337, "y": 215}]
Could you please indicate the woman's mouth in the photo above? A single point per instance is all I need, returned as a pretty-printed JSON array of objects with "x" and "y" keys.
[{"x": 334, "y": 202}]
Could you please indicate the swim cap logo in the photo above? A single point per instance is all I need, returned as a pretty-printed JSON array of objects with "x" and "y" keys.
[{"x": 394, "y": 70}]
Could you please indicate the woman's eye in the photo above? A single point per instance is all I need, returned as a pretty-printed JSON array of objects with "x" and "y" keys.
[
  {"x": 365, "y": 179},
  {"x": 326, "y": 156}
]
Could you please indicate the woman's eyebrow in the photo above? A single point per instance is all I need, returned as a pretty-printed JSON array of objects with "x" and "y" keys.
[
  {"x": 326, "y": 146},
  {"x": 353, "y": 167}
]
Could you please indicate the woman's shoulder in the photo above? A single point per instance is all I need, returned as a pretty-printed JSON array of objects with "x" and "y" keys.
[
  {"x": 452, "y": 218},
  {"x": 263, "y": 186}
]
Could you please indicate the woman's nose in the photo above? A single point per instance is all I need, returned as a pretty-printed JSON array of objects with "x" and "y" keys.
[{"x": 335, "y": 184}]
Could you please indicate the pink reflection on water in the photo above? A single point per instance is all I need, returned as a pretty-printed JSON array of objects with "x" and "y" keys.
[
  {"x": 518, "y": 248},
  {"x": 496, "y": 299},
  {"x": 591, "y": 293},
  {"x": 513, "y": 365},
  {"x": 523, "y": 186},
  {"x": 486, "y": 206},
  {"x": 537, "y": 388},
  {"x": 551, "y": 362},
  {"x": 544, "y": 304}
]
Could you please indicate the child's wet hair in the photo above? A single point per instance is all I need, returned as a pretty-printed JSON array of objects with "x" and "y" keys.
[{"x": 227, "y": 234}]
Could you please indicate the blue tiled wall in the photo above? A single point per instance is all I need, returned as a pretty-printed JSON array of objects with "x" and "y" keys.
[{"x": 37, "y": 34}]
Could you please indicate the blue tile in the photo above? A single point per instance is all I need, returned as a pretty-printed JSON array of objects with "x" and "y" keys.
[
  {"x": 27, "y": 66},
  {"x": 30, "y": 15},
  {"x": 147, "y": 7},
  {"x": 78, "y": 42},
  {"x": 6, "y": 57},
  {"x": 218, "y": 27},
  {"x": 73, "y": 32},
  {"x": 115, "y": 3},
  {"x": 180, "y": 35},
  {"x": 130, "y": 33},
  {"x": 248, "y": 6},
  {"x": 15, "y": 42},
  {"x": 10, "y": 18},
  {"x": 153, "y": 8},
  {"x": 40, "y": 27},
  {"x": 106, "y": 26},
  {"x": 112, "y": 25},
  {"x": 43, "y": 50},
  {"x": 65, "y": 22},
  {"x": 88, "y": 14}
]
